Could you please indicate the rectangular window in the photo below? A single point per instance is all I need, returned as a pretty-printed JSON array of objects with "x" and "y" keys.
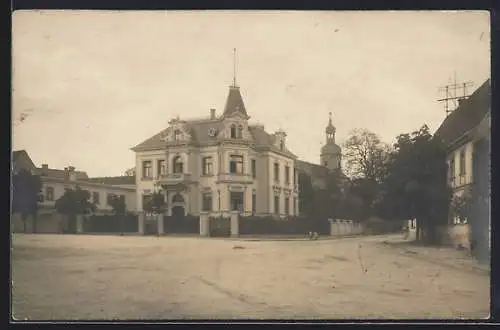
[
  {"x": 287, "y": 174},
  {"x": 254, "y": 168},
  {"x": 207, "y": 166},
  {"x": 161, "y": 167},
  {"x": 287, "y": 205},
  {"x": 236, "y": 200},
  {"x": 254, "y": 203},
  {"x": 462, "y": 163},
  {"x": 236, "y": 164},
  {"x": 146, "y": 169},
  {"x": 49, "y": 193},
  {"x": 207, "y": 201},
  {"x": 95, "y": 198},
  {"x": 109, "y": 198},
  {"x": 294, "y": 176},
  {"x": 276, "y": 172},
  {"x": 295, "y": 206},
  {"x": 277, "y": 204}
]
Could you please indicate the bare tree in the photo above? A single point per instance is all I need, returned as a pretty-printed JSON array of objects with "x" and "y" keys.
[{"x": 366, "y": 156}]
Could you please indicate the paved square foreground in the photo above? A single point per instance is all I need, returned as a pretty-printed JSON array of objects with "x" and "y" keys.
[{"x": 110, "y": 277}]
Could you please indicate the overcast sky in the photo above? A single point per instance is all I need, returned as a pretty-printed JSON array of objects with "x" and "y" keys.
[{"x": 90, "y": 85}]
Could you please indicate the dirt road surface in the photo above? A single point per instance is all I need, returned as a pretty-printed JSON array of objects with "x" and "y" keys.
[{"x": 80, "y": 277}]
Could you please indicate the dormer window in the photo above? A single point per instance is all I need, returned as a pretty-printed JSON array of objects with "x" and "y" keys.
[
  {"x": 177, "y": 135},
  {"x": 233, "y": 131},
  {"x": 282, "y": 145}
]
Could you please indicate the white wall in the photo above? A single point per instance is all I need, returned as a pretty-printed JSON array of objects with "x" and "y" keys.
[{"x": 60, "y": 186}]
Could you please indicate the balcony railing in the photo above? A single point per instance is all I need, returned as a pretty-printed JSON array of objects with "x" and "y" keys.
[
  {"x": 174, "y": 178},
  {"x": 235, "y": 177}
]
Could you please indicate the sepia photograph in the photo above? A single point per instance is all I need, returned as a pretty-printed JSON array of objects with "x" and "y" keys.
[{"x": 250, "y": 165}]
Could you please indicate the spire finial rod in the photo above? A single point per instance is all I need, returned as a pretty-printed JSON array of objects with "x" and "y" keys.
[
  {"x": 330, "y": 118},
  {"x": 234, "y": 67}
]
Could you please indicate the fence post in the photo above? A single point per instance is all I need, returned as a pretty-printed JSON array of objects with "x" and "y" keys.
[
  {"x": 235, "y": 223},
  {"x": 79, "y": 223},
  {"x": 204, "y": 224},
  {"x": 159, "y": 226},
  {"x": 140, "y": 223}
]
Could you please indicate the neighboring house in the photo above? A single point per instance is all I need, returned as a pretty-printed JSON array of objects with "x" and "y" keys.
[
  {"x": 127, "y": 181},
  {"x": 21, "y": 160},
  {"x": 55, "y": 181},
  {"x": 218, "y": 164},
  {"x": 466, "y": 134}
]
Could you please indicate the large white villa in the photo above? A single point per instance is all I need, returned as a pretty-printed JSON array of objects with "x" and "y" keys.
[
  {"x": 219, "y": 164},
  {"x": 223, "y": 163}
]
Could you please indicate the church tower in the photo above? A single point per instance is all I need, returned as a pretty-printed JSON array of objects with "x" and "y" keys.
[{"x": 330, "y": 153}]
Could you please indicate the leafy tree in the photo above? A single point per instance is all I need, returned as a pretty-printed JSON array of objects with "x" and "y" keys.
[
  {"x": 154, "y": 203},
  {"x": 363, "y": 193},
  {"x": 461, "y": 206},
  {"x": 306, "y": 194},
  {"x": 75, "y": 202},
  {"x": 366, "y": 156},
  {"x": 416, "y": 186},
  {"x": 26, "y": 196}
]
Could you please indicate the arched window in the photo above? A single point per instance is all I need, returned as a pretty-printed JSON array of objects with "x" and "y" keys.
[
  {"x": 177, "y": 198},
  {"x": 178, "y": 165},
  {"x": 240, "y": 132},
  {"x": 233, "y": 131},
  {"x": 282, "y": 145}
]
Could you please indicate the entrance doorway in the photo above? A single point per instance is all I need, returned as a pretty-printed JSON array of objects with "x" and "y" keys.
[
  {"x": 178, "y": 212},
  {"x": 236, "y": 201}
]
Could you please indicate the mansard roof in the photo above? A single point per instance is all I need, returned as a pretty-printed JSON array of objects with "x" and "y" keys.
[{"x": 199, "y": 129}]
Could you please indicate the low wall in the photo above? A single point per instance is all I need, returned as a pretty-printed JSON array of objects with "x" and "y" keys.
[
  {"x": 343, "y": 227},
  {"x": 455, "y": 235},
  {"x": 52, "y": 223}
]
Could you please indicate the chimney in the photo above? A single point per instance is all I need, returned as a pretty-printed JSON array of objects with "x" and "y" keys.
[
  {"x": 45, "y": 168},
  {"x": 212, "y": 113},
  {"x": 70, "y": 173}
]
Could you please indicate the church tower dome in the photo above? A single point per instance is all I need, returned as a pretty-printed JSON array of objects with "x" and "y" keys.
[{"x": 331, "y": 154}]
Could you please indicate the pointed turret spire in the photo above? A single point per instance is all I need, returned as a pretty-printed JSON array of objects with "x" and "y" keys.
[
  {"x": 234, "y": 68},
  {"x": 330, "y": 130},
  {"x": 234, "y": 102}
]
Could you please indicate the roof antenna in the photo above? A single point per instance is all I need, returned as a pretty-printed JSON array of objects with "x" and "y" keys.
[{"x": 234, "y": 67}]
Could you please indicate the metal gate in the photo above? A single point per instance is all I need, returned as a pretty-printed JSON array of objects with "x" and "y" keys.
[{"x": 220, "y": 226}]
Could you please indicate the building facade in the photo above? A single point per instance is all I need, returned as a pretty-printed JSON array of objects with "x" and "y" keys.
[
  {"x": 56, "y": 181},
  {"x": 466, "y": 135},
  {"x": 219, "y": 164}
]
